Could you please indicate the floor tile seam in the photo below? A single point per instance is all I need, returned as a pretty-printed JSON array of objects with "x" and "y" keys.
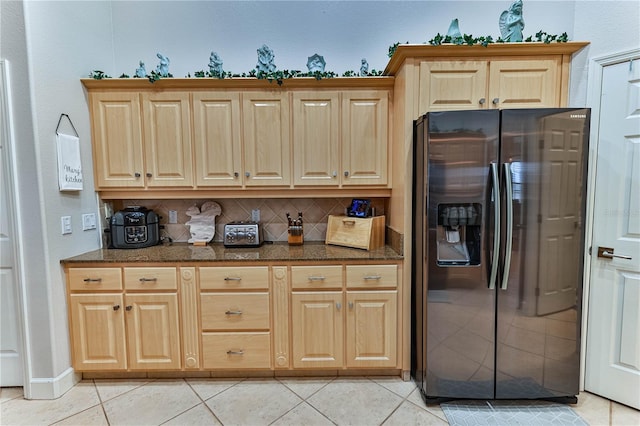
[
  {"x": 300, "y": 396},
  {"x": 240, "y": 380},
  {"x": 302, "y": 401},
  {"x": 391, "y": 390},
  {"x": 123, "y": 393},
  {"x": 191, "y": 408},
  {"x": 428, "y": 411},
  {"x": 392, "y": 411},
  {"x": 75, "y": 414}
]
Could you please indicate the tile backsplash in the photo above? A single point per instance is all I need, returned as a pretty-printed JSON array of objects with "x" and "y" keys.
[{"x": 315, "y": 212}]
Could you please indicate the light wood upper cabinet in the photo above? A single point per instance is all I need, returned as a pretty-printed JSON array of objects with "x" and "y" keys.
[
  {"x": 265, "y": 119},
  {"x": 365, "y": 124},
  {"x": 452, "y": 85},
  {"x": 117, "y": 139},
  {"x": 316, "y": 138},
  {"x": 524, "y": 83},
  {"x": 216, "y": 130},
  {"x": 167, "y": 139},
  {"x": 495, "y": 83}
]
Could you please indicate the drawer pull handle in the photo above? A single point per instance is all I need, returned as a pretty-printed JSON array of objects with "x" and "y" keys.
[
  {"x": 143, "y": 279},
  {"x": 348, "y": 221},
  {"x": 236, "y": 352},
  {"x": 372, "y": 277},
  {"x": 92, "y": 280},
  {"x": 316, "y": 278},
  {"x": 233, "y": 313},
  {"x": 232, "y": 279}
]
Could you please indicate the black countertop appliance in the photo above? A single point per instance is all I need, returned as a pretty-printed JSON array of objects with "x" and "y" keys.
[{"x": 134, "y": 227}]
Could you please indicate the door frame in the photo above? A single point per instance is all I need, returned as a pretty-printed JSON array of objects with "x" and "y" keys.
[
  {"x": 10, "y": 166},
  {"x": 594, "y": 93}
]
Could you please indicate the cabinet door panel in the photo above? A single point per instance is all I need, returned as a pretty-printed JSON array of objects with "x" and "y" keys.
[
  {"x": 317, "y": 328},
  {"x": 452, "y": 85},
  {"x": 117, "y": 140},
  {"x": 167, "y": 133},
  {"x": 97, "y": 330},
  {"x": 316, "y": 135},
  {"x": 371, "y": 329},
  {"x": 525, "y": 84},
  {"x": 216, "y": 128},
  {"x": 266, "y": 139},
  {"x": 365, "y": 116},
  {"x": 153, "y": 335}
]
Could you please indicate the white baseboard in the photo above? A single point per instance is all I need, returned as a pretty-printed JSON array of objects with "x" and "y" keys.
[{"x": 52, "y": 388}]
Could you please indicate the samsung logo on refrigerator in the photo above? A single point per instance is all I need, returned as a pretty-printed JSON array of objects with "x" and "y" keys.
[{"x": 578, "y": 115}]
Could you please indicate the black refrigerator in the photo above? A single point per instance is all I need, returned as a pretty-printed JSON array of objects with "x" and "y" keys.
[{"x": 499, "y": 201}]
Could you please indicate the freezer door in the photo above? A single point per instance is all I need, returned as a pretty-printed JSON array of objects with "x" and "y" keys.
[
  {"x": 543, "y": 162},
  {"x": 460, "y": 311}
]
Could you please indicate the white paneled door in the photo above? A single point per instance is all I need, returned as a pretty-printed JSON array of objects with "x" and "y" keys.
[
  {"x": 11, "y": 360},
  {"x": 613, "y": 329}
]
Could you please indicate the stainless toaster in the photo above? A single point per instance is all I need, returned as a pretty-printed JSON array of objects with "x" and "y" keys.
[{"x": 243, "y": 234}]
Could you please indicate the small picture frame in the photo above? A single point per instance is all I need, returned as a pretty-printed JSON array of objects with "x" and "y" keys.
[{"x": 359, "y": 208}]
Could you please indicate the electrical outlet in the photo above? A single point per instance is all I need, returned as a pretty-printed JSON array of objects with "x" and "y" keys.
[
  {"x": 255, "y": 215},
  {"x": 66, "y": 224},
  {"x": 173, "y": 216},
  {"x": 88, "y": 221}
]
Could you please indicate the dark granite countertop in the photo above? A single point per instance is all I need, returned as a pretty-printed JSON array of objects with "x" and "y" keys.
[{"x": 216, "y": 252}]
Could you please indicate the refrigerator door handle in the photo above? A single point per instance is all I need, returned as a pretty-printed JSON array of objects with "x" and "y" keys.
[
  {"x": 496, "y": 226},
  {"x": 509, "y": 210}
]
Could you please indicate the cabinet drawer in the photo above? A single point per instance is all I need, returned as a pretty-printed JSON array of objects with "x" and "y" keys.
[
  {"x": 236, "y": 350},
  {"x": 150, "y": 279},
  {"x": 234, "y": 311},
  {"x": 320, "y": 277},
  {"x": 234, "y": 278},
  {"x": 372, "y": 276},
  {"x": 92, "y": 279}
]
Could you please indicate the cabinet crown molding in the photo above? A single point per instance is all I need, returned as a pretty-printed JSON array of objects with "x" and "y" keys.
[
  {"x": 452, "y": 51},
  {"x": 142, "y": 84}
]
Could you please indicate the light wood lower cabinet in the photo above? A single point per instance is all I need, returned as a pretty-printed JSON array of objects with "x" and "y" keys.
[
  {"x": 152, "y": 331},
  {"x": 317, "y": 328},
  {"x": 122, "y": 330},
  {"x": 194, "y": 318},
  {"x": 97, "y": 331},
  {"x": 235, "y": 313},
  {"x": 336, "y": 329}
]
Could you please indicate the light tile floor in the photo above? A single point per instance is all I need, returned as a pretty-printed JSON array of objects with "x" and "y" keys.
[{"x": 291, "y": 401}]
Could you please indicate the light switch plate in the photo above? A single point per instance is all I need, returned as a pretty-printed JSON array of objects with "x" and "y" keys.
[
  {"x": 66, "y": 224},
  {"x": 88, "y": 221}
]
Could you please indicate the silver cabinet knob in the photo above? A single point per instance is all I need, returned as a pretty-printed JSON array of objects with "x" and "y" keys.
[
  {"x": 236, "y": 174},
  {"x": 495, "y": 101},
  {"x": 346, "y": 173},
  {"x": 149, "y": 175},
  {"x": 338, "y": 305},
  {"x": 136, "y": 174},
  {"x": 116, "y": 307},
  {"x": 128, "y": 308},
  {"x": 247, "y": 174},
  {"x": 482, "y": 101},
  {"x": 334, "y": 174}
]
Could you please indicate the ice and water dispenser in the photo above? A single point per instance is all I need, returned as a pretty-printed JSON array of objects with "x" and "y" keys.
[{"x": 458, "y": 242}]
